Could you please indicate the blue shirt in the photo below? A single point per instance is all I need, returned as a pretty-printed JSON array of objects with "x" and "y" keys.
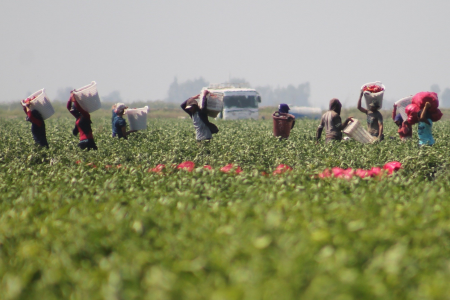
[
  {"x": 114, "y": 115},
  {"x": 118, "y": 123},
  {"x": 425, "y": 135}
]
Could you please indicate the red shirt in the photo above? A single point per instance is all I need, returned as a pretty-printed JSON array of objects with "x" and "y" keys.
[{"x": 83, "y": 122}]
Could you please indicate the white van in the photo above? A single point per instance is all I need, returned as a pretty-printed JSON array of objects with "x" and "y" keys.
[{"x": 238, "y": 102}]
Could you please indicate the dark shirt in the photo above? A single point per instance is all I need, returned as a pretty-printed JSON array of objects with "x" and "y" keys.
[
  {"x": 202, "y": 113},
  {"x": 114, "y": 115},
  {"x": 37, "y": 127},
  {"x": 373, "y": 118},
  {"x": 83, "y": 122},
  {"x": 118, "y": 124}
]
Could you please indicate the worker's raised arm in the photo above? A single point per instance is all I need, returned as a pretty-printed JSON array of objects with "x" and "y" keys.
[
  {"x": 423, "y": 115},
  {"x": 361, "y": 109}
]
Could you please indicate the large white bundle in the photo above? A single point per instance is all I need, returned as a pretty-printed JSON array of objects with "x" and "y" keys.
[
  {"x": 214, "y": 103},
  {"x": 88, "y": 98},
  {"x": 357, "y": 132},
  {"x": 41, "y": 103},
  {"x": 137, "y": 117},
  {"x": 374, "y": 98},
  {"x": 402, "y": 104}
]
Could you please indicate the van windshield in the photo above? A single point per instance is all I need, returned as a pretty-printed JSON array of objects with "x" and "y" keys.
[{"x": 240, "y": 101}]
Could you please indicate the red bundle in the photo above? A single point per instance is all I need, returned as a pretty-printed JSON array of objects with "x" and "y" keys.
[
  {"x": 282, "y": 169},
  {"x": 390, "y": 168},
  {"x": 187, "y": 165},
  {"x": 230, "y": 167},
  {"x": 158, "y": 169},
  {"x": 373, "y": 88},
  {"x": 418, "y": 103}
]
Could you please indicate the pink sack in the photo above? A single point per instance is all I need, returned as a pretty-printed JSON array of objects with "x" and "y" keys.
[
  {"x": 392, "y": 167},
  {"x": 436, "y": 116},
  {"x": 187, "y": 165},
  {"x": 282, "y": 169},
  {"x": 421, "y": 98},
  {"x": 158, "y": 169},
  {"x": 325, "y": 174},
  {"x": 207, "y": 167},
  {"x": 230, "y": 167},
  {"x": 412, "y": 110}
]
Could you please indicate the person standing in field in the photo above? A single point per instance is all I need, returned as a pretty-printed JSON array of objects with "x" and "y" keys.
[
  {"x": 331, "y": 121},
  {"x": 283, "y": 109},
  {"x": 119, "y": 125},
  {"x": 374, "y": 118},
  {"x": 404, "y": 128},
  {"x": 425, "y": 127},
  {"x": 37, "y": 125},
  {"x": 82, "y": 124},
  {"x": 203, "y": 128}
]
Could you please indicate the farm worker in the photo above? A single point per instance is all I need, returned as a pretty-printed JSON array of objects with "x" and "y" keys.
[
  {"x": 404, "y": 128},
  {"x": 203, "y": 128},
  {"x": 425, "y": 127},
  {"x": 119, "y": 123},
  {"x": 374, "y": 119},
  {"x": 37, "y": 125},
  {"x": 82, "y": 124},
  {"x": 331, "y": 121},
  {"x": 283, "y": 108}
]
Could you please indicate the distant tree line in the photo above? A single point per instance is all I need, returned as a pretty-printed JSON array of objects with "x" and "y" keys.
[{"x": 295, "y": 95}]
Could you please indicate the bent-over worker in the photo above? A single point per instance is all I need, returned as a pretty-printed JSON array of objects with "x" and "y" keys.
[
  {"x": 331, "y": 121},
  {"x": 203, "y": 128}
]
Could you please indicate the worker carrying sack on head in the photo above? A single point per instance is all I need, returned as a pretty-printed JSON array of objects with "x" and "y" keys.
[
  {"x": 37, "y": 124},
  {"x": 203, "y": 128},
  {"x": 374, "y": 118},
  {"x": 82, "y": 123},
  {"x": 331, "y": 121},
  {"x": 404, "y": 127}
]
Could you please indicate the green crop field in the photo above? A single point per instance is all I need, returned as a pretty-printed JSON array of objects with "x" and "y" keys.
[{"x": 83, "y": 230}]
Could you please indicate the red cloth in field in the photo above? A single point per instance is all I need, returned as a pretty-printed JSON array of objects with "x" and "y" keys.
[
  {"x": 158, "y": 169},
  {"x": 230, "y": 167},
  {"x": 187, "y": 165},
  {"x": 282, "y": 169},
  {"x": 207, "y": 167},
  {"x": 336, "y": 172},
  {"x": 392, "y": 167}
]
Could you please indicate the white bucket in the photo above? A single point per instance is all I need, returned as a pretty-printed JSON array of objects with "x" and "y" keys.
[
  {"x": 88, "y": 98},
  {"x": 357, "y": 132},
  {"x": 375, "y": 98},
  {"x": 137, "y": 117},
  {"x": 41, "y": 103},
  {"x": 214, "y": 103},
  {"x": 402, "y": 104}
]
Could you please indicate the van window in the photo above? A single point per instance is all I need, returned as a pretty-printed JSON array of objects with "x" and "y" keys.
[{"x": 240, "y": 101}]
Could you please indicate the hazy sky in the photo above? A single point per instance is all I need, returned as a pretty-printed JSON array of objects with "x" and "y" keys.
[{"x": 138, "y": 47}]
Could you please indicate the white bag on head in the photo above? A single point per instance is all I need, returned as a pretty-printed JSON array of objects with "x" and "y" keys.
[
  {"x": 88, "y": 97},
  {"x": 41, "y": 103},
  {"x": 374, "y": 98},
  {"x": 402, "y": 104}
]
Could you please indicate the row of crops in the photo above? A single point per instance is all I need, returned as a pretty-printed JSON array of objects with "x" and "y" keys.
[{"x": 72, "y": 231}]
